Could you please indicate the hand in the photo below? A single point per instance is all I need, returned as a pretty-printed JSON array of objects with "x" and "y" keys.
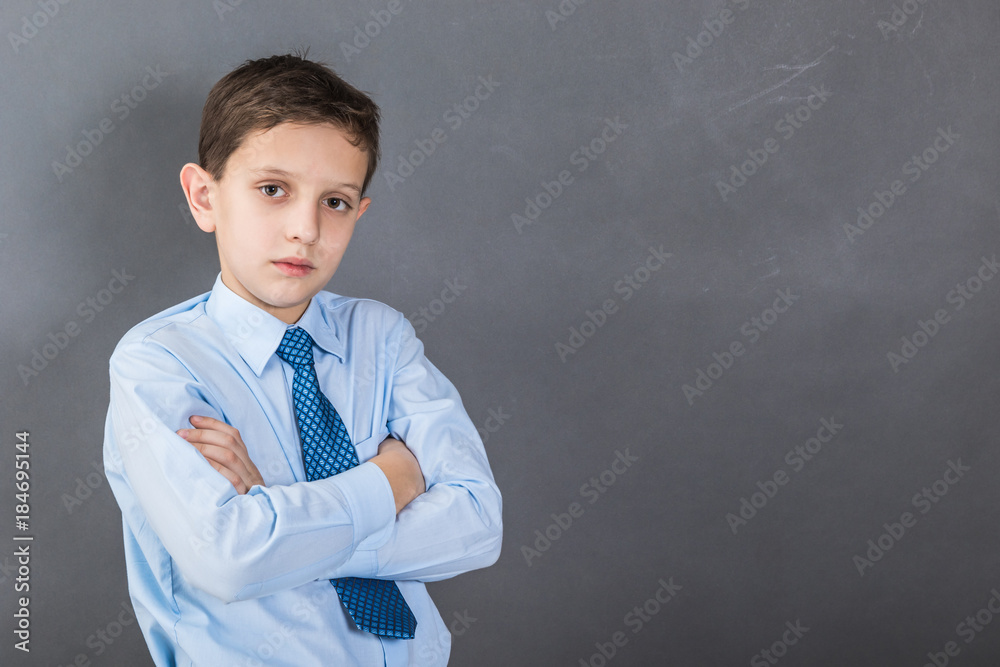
[
  {"x": 223, "y": 448},
  {"x": 401, "y": 469}
]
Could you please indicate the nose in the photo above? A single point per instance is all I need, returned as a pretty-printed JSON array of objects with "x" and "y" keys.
[{"x": 303, "y": 223}]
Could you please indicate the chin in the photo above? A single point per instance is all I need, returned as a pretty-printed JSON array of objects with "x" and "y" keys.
[{"x": 285, "y": 304}]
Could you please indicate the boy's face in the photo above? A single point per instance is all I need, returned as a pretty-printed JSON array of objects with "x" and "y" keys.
[{"x": 283, "y": 213}]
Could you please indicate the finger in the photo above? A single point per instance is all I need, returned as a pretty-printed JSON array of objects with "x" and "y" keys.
[
  {"x": 247, "y": 472},
  {"x": 231, "y": 476},
  {"x": 201, "y": 439},
  {"x": 223, "y": 452},
  {"x": 210, "y": 436},
  {"x": 219, "y": 439},
  {"x": 220, "y": 428},
  {"x": 224, "y": 456},
  {"x": 237, "y": 474},
  {"x": 200, "y": 421}
]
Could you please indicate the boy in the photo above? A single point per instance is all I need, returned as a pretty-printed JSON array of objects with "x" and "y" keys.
[{"x": 289, "y": 465}]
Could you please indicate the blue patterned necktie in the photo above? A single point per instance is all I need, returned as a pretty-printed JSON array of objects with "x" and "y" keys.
[{"x": 376, "y": 605}]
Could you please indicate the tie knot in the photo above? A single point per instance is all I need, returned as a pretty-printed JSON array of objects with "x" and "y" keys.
[{"x": 296, "y": 347}]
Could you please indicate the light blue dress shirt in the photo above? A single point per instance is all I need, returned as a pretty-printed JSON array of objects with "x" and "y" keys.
[{"x": 223, "y": 579}]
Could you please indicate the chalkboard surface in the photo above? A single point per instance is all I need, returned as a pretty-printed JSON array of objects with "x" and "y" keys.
[{"x": 718, "y": 282}]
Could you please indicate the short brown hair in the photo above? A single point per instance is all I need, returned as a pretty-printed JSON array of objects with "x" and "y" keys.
[{"x": 260, "y": 94}]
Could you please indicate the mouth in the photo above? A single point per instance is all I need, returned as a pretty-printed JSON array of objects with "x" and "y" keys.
[{"x": 294, "y": 266}]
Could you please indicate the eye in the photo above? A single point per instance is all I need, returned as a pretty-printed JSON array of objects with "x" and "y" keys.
[
  {"x": 270, "y": 190},
  {"x": 337, "y": 204}
]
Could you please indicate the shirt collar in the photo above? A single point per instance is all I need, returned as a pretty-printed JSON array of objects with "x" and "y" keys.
[{"x": 256, "y": 334}]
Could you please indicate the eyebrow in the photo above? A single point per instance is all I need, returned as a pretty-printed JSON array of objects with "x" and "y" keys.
[{"x": 274, "y": 171}]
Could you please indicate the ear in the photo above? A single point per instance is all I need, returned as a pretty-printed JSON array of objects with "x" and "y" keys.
[
  {"x": 198, "y": 186},
  {"x": 363, "y": 206}
]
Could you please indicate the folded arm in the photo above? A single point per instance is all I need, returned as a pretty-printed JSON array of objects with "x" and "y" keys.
[
  {"x": 456, "y": 525},
  {"x": 223, "y": 448},
  {"x": 234, "y": 546}
]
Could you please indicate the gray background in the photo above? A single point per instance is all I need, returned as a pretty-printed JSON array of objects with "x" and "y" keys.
[{"x": 564, "y": 418}]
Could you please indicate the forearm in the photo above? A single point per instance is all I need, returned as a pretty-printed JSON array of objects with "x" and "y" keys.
[
  {"x": 450, "y": 529},
  {"x": 456, "y": 525},
  {"x": 444, "y": 532},
  {"x": 231, "y": 545}
]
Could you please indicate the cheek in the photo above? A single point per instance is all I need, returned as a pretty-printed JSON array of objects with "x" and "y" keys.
[
  {"x": 336, "y": 240},
  {"x": 254, "y": 233}
]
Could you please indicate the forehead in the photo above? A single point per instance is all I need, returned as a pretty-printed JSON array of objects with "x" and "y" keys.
[{"x": 307, "y": 151}]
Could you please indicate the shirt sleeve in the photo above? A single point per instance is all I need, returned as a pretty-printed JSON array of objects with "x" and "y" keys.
[
  {"x": 233, "y": 546},
  {"x": 456, "y": 525}
]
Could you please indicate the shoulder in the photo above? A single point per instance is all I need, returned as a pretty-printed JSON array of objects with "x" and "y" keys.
[
  {"x": 368, "y": 326},
  {"x": 354, "y": 312},
  {"x": 165, "y": 330}
]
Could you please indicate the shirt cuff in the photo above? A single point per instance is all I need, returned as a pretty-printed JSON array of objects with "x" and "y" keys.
[{"x": 373, "y": 507}]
